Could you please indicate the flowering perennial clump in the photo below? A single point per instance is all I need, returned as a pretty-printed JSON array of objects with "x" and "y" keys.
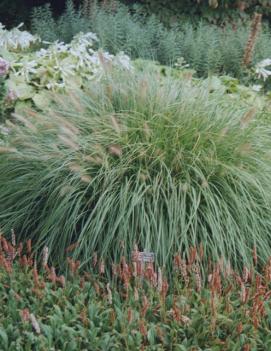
[
  {"x": 16, "y": 39},
  {"x": 57, "y": 66},
  {"x": 137, "y": 308},
  {"x": 261, "y": 70}
]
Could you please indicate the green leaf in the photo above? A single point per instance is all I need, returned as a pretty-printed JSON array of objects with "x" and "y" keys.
[
  {"x": 41, "y": 100},
  {"x": 21, "y": 88},
  {"x": 3, "y": 339}
]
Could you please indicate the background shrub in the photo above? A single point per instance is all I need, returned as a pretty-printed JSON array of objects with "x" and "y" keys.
[
  {"x": 63, "y": 28},
  {"x": 140, "y": 159},
  {"x": 213, "y": 11},
  {"x": 206, "y": 48}
]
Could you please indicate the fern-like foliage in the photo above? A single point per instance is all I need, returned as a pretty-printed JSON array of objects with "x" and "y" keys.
[
  {"x": 63, "y": 28},
  {"x": 43, "y": 23}
]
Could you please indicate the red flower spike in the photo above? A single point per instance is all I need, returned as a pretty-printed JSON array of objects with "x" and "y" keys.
[
  {"x": 29, "y": 246},
  {"x": 25, "y": 315}
]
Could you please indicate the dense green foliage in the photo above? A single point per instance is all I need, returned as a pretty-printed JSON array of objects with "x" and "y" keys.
[
  {"x": 214, "y": 11},
  {"x": 135, "y": 310},
  {"x": 142, "y": 159},
  {"x": 63, "y": 28},
  {"x": 120, "y": 157},
  {"x": 206, "y": 48}
]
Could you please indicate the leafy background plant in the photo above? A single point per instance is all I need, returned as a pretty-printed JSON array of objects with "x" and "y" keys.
[{"x": 207, "y": 48}]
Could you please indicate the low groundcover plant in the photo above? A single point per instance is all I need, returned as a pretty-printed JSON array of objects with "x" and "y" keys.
[
  {"x": 136, "y": 309},
  {"x": 140, "y": 159}
]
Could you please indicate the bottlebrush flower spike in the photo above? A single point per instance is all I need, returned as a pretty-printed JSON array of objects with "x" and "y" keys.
[
  {"x": 244, "y": 294},
  {"x": 149, "y": 272},
  {"x": 25, "y": 315},
  {"x": 29, "y": 246},
  {"x": 267, "y": 271},
  {"x": 95, "y": 259},
  {"x": 134, "y": 269},
  {"x": 97, "y": 288},
  {"x": 71, "y": 264},
  {"x": 142, "y": 328},
  {"x": 159, "y": 280},
  {"x": 129, "y": 315},
  {"x": 10, "y": 252},
  {"x": 114, "y": 269},
  {"x": 192, "y": 255},
  {"x": 256, "y": 322},
  {"x": 136, "y": 295},
  {"x": 35, "y": 323},
  {"x": 258, "y": 282},
  {"x": 245, "y": 275},
  {"x": 184, "y": 273},
  {"x": 52, "y": 275},
  {"x": 109, "y": 292},
  {"x": 45, "y": 255},
  {"x": 83, "y": 317},
  {"x": 239, "y": 328},
  {"x": 77, "y": 265},
  {"x": 196, "y": 270},
  {"x": 145, "y": 306},
  {"x": 185, "y": 320},
  {"x": 101, "y": 267},
  {"x": 177, "y": 262},
  {"x": 13, "y": 238},
  {"x": 165, "y": 287},
  {"x": 255, "y": 256},
  {"x": 62, "y": 281},
  {"x": 20, "y": 249},
  {"x": 24, "y": 261},
  {"x": 176, "y": 312},
  {"x": 7, "y": 265},
  {"x": 115, "y": 150},
  {"x": 36, "y": 277},
  {"x": 267, "y": 295},
  {"x": 71, "y": 247},
  {"x": 4, "y": 245}
]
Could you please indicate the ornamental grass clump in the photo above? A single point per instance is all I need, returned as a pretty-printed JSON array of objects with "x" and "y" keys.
[{"x": 140, "y": 159}]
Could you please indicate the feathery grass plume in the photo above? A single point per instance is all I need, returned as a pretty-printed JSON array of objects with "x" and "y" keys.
[
  {"x": 254, "y": 32},
  {"x": 199, "y": 186}
]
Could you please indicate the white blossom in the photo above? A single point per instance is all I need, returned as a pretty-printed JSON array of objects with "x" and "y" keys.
[
  {"x": 256, "y": 87},
  {"x": 16, "y": 39},
  {"x": 261, "y": 70}
]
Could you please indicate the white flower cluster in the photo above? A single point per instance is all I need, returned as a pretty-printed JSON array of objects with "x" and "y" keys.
[
  {"x": 261, "y": 70},
  {"x": 54, "y": 67},
  {"x": 16, "y": 39}
]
